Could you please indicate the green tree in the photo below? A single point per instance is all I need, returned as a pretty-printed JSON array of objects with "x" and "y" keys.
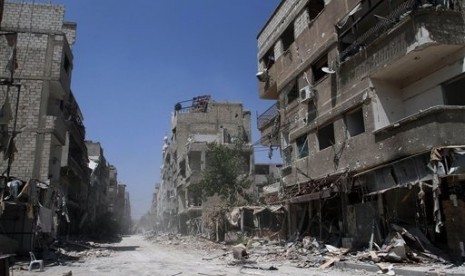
[{"x": 226, "y": 173}]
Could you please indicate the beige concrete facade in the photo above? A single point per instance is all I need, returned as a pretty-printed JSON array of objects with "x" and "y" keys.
[
  {"x": 359, "y": 89},
  {"x": 184, "y": 155}
]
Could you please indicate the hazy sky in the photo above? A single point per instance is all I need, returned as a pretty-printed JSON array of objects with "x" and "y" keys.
[{"x": 133, "y": 61}]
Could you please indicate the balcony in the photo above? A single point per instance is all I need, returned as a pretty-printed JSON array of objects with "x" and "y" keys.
[
  {"x": 56, "y": 125},
  {"x": 268, "y": 123},
  {"x": 268, "y": 89},
  {"x": 61, "y": 68},
  {"x": 416, "y": 134},
  {"x": 76, "y": 128},
  {"x": 397, "y": 40},
  {"x": 441, "y": 125}
]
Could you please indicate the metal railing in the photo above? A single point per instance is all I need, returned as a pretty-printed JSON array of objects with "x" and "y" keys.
[
  {"x": 387, "y": 20},
  {"x": 268, "y": 116}
]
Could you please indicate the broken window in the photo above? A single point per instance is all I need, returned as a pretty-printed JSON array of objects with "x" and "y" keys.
[
  {"x": 287, "y": 37},
  {"x": 317, "y": 67},
  {"x": 354, "y": 123},
  {"x": 293, "y": 94},
  {"x": 311, "y": 112},
  {"x": 268, "y": 59},
  {"x": 195, "y": 162},
  {"x": 314, "y": 8},
  {"x": 302, "y": 146},
  {"x": 453, "y": 91},
  {"x": 326, "y": 136},
  {"x": 182, "y": 168},
  {"x": 262, "y": 169},
  {"x": 67, "y": 64}
]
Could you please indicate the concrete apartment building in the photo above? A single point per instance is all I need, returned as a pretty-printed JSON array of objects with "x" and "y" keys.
[
  {"x": 98, "y": 199},
  {"x": 267, "y": 178},
  {"x": 369, "y": 114},
  {"x": 122, "y": 210},
  {"x": 184, "y": 155},
  {"x": 42, "y": 134}
]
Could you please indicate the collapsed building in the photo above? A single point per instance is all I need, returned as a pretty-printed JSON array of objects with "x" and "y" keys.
[
  {"x": 194, "y": 124},
  {"x": 369, "y": 116}
]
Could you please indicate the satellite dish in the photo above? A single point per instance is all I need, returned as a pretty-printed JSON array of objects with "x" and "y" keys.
[
  {"x": 328, "y": 70},
  {"x": 262, "y": 76}
]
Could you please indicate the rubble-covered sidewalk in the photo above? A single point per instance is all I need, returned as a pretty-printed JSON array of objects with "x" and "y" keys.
[
  {"x": 310, "y": 255},
  {"x": 169, "y": 255}
]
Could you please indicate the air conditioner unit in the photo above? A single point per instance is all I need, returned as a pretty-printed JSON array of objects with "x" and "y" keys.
[{"x": 306, "y": 94}]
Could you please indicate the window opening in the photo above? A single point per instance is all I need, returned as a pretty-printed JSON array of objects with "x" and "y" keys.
[
  {"x": 268, "y": 59},
  {"x": 314, "y": 8},
  {"x": 182, "y": 168},
  {"x": 195, "y": 160},
  {"x": 293, "y": 94},
  {"x": 326, "y": 136},
  {"x": 302, "y": 146},
  {"x": 311, "y": 112},
  {"x": 287, "y": 37},
  {"x": 262, "y": 169},
  {"x": 67, "y": 64},
  {"x": 317, "y": 67},
  {"x": 453, "y": 91},
  {"x": 354, "y": 123}
]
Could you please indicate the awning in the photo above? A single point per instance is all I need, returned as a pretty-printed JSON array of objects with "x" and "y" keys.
[{"x": 311, "y": 197}]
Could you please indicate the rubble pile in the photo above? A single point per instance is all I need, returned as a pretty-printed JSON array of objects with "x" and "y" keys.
[
  {"x": 403, "y": 246},
  {"x": 191, "y": 242},
  {"x": 65, "y": 251},
  {"x": 305, "y": 253},
  {"x": 400, "y": 247}
]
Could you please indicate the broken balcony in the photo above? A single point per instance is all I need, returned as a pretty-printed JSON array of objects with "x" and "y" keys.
[
  {"x": 56, "y": 125},
  {"x": 434, "y": 127},
  {"x": 61, "y": 68},
  {"x": 398, "y": 39},
  {"x": 268, "y": 88},
  {"x": 268, "y": 124}
]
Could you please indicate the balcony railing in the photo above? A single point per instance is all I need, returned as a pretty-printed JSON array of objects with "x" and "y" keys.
[
  {"x": 268, "y": 117},
  {"x": 369, "y": 21}
]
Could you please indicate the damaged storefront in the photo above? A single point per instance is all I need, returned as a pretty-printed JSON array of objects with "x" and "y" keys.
[
  {"x": 422, "y": 195},
  {"x": 258, "y": 221},
  {"x": 316, "y": 210},
  {"x": 27, "y": 215}
]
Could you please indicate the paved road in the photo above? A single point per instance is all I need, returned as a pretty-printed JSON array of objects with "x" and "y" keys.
[{"x": 140, "y": 257}]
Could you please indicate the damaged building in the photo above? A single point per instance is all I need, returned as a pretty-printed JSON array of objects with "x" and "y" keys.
[
  {"x": 194, "y": 124},
  {"x": 369, "y": 117},
  {"x": 45, "y": 181},
  {"x": 36, "y": 63}
]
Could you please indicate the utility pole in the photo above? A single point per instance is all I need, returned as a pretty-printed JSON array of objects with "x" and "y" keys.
[{"x": 10, "y": 82}]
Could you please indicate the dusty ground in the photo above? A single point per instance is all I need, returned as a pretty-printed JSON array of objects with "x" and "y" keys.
[{"x": 135, "y": 255}]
